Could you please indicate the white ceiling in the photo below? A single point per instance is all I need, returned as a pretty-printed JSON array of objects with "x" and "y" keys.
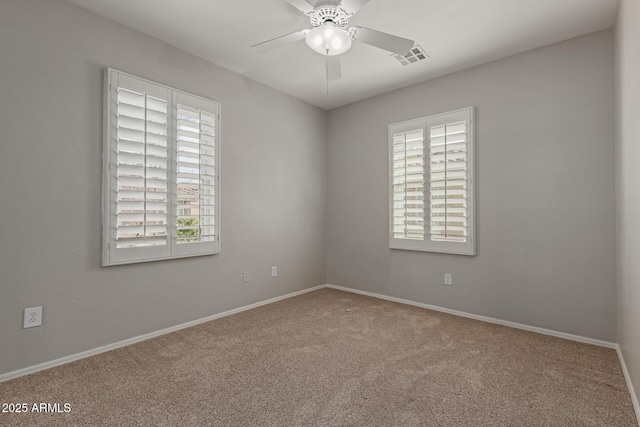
[{"x": 457, "y": 34}]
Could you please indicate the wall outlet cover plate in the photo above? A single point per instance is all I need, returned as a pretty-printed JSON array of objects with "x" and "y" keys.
[{"x": 32, "y": 317}]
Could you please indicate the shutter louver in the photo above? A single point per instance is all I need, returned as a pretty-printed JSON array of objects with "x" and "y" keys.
[
  {"x": 195, "y": 175},
  {"x": 141, "y": 170},
  {"x": 448, "y": 182},
  {"x": 408, "y": 184}
]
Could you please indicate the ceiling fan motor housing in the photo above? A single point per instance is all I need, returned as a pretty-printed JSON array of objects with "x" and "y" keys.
[{"x": 332, "y": 14}]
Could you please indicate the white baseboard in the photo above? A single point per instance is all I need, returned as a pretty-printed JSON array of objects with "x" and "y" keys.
[
  {"x": 108, "y": 347},
  {"x": 627, "y": 378},
  {"x": 482, "y": 318}
]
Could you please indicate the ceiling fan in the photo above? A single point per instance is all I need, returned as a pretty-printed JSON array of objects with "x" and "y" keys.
[{"x": 331, "y": 35}]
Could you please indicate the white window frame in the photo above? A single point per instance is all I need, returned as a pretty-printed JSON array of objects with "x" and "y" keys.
[
  {"x": 427, "y": 245},
  {"x": 111, "y": 254}
]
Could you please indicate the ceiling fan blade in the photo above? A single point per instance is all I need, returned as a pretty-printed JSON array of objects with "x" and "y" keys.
[
  {"x": 280, "y": 41},
  {"x": 302, "y": 5},
  {"x": 385, "y": 41},
  {"x": 352, "y": 6},
  {"x": 333, "y": 68}
]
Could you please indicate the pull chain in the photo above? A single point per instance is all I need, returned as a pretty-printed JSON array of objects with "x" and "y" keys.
[{"x": 326, "y": 70}]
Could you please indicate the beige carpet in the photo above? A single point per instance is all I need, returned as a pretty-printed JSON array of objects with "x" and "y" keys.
[{"x": 332, "y": 358}]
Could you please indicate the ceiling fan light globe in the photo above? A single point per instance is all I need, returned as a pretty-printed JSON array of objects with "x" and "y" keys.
[{"x": 328, "y": 40}]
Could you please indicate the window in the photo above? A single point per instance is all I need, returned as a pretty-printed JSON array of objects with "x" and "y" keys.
[
  {"x": 160, "y": 172},
  {"x": 431, "y": 197}
]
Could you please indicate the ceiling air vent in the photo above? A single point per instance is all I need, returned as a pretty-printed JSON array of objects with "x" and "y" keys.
[{"x": 416, "y": 54}]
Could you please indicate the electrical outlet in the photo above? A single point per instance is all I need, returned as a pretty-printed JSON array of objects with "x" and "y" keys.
[
  {"x": 32, "y": 317},
  {"x": 274, "y": 271},
  {"x": 245, "y": 277},
  {"x": 448, "y": 279}
]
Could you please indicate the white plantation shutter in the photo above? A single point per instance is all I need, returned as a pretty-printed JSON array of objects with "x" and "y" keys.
[
  {"x": 196, "y": 201},
  {"x": 448, "y": 182},
  {"x": 431, "y": 165},
  {"x": 141, "y": 169},
  {"x": 159, "y": 172},
  {"x": 408, "y": 182}
]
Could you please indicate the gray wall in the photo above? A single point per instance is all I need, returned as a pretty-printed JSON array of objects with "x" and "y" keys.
[
  {"x": 273, "y": 188},
  {"x": 545, "y": 191},
  {"x": 628, "y": 184}
]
